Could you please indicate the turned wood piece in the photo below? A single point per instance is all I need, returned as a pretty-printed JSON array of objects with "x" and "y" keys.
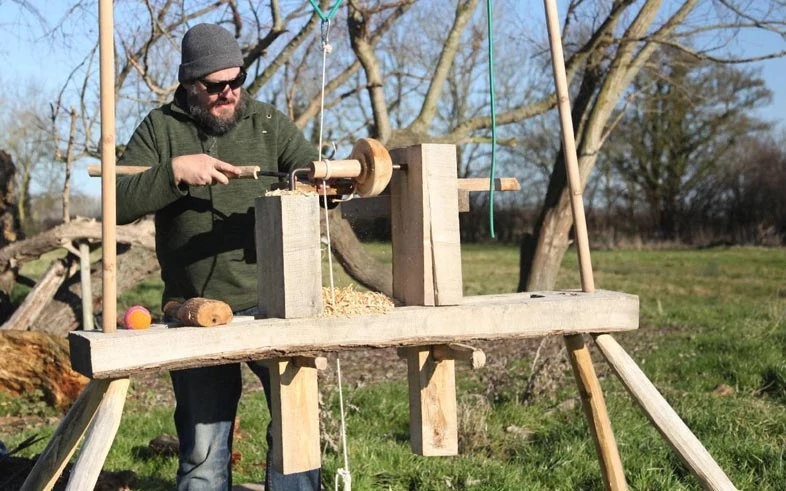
[
  {"x": 199, "y": 312},
  {"x": 369, "y": 166}
]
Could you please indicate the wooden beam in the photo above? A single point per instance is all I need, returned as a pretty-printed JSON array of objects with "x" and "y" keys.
[
  {"x": 101, "y": 355},
  {"x": 433, "y": 423},
  {"x": 289, "y": 264},
  {"x": 473, "y": 357},
  {"x": 295, "y": 417},
  {"x": 425, "y": 226},
  {"x": 666, "y": 420},
  {"x": 480, "y": 184}
]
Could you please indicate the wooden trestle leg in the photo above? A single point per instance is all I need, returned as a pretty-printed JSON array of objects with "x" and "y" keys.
[
  {"x": 295, "y": 415},
  {"x": 52, "y": 461},
  {"x": 594, "y": 405},
  {"x": 84, "y": 474}
]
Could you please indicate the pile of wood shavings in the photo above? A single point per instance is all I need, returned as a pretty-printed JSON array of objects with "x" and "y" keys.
[
  {"x": 287, "y": 192},
  {"x": 352, "y": 302}
]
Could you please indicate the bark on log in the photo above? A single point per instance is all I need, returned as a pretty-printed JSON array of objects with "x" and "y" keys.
[{"x": 38, "y": 361}]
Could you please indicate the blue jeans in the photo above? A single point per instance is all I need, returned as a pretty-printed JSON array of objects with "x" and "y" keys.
[{"x": 207, "y": 399}]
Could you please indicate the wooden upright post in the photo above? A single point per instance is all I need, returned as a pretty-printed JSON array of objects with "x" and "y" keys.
[
  {"x": 432, "y": 403},
  {"x": 427, "y": 271},
  {"x": 288, "y": 259},
  {"x": 289, "y": 283},
  {"x": 295, "y": 416},
  {"x": 425, "y": 226}
]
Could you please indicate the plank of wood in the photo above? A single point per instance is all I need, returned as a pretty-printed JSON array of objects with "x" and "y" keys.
[
  {"x": 84, "y": 474},
  {"x": 662, "y": 415},
  {"x": 513, "y": 315},
  {"x": 594, "y": 405},
  {"x": 61, "y": 446},
  {"x": 433, "y": 421},
  {"x": 295, "y": 417},
  {"x": 289, "y": 265},
  {"x": 425, "y": 226}
]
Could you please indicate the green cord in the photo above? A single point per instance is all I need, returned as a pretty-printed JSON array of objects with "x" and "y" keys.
[
  {"x": 325, "y": 17},
  {"x": 493, "y": 122}
]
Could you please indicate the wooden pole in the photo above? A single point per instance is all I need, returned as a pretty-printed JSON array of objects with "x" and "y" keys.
[
  {"x": 589, "y": 387},
  {"x": 108, "y": 179},
  {"x": 52, "y": 461},
  {"x": 674, "y": 430}
]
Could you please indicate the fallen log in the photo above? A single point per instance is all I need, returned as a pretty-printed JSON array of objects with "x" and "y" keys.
[{"x": 34, "y": 361}]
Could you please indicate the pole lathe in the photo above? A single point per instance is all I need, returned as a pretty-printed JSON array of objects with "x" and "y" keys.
[{"x": 592, "y": 399}]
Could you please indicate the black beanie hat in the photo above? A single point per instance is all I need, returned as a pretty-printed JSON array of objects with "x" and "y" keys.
[{"x": 207, "y": 48}]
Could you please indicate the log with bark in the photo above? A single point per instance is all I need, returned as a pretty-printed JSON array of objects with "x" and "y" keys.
[{"x": 38, "y": 361}]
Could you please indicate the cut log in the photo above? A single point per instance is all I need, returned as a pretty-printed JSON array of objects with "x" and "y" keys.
[{"x": 34, "y": 361}]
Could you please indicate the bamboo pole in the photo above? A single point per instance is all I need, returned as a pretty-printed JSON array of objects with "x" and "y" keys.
[
  {"x": 592, "y": 398},
  {"x": 108, "y": 179},
  {"x": 100, "y": 436},
  {"x": 54, "y": 458},
  {"x": 669, "y": 424}
]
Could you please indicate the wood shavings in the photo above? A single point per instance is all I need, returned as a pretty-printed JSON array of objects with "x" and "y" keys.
[
  {"x": 352, "y": 302},
  {"x": 287, "y": 192}
]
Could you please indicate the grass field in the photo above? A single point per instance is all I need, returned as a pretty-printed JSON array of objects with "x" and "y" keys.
[{"x": 712, "y": 339}]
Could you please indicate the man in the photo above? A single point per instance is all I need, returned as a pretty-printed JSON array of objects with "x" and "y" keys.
[{"x": 205, "y": 229}]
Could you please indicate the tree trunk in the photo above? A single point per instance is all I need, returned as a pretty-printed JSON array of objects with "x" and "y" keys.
[
  {"x": 358, "y": 264},
  {"x": 34, "y": 361},
  {"x": 10, "y": 229}
]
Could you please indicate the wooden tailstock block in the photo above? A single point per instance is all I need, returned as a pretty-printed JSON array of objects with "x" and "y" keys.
[
  {"x": 425, "y": 226},
  {"x": 295, "y": 417},
  {"x": 289, "y": 268},
  {"x": 433, "y": 424}
]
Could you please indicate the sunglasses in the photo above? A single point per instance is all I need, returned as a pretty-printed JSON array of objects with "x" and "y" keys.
[{"x": 218, "y": 87}]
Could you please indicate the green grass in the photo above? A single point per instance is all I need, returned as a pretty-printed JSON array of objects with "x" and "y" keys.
[{"x": 708, "y": 317}]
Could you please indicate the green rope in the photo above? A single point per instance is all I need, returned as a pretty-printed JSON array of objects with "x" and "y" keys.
[
  {"x": 493, "y": 122},
  {"x": 325, "y": 17}
]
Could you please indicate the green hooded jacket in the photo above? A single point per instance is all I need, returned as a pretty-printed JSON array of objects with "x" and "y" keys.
[{"x": 205, "y": 234}]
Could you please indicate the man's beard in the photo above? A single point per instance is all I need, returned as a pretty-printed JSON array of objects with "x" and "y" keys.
[{"x": 211, "y": 124}]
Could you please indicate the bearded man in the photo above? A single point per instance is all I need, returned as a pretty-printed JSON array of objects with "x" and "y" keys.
[{"x": 205, "y": 229}]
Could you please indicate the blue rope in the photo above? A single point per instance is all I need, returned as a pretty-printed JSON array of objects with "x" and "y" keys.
[
  {"x": 322, "y": 15},
  {"x": 493, "y": 121}
]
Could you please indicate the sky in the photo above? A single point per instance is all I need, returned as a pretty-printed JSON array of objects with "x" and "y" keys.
[{"x": 27, "y": 58}]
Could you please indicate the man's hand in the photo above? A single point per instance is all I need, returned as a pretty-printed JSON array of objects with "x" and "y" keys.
[{"x": 201, "y": 170}]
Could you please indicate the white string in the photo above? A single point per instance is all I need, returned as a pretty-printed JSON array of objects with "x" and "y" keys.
[
  {"x": 342, "y": 474},
  {"x": 326, "y": 48}
]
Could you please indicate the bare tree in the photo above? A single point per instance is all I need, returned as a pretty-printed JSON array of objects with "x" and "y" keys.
[{"x": 397, "y": 75}]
